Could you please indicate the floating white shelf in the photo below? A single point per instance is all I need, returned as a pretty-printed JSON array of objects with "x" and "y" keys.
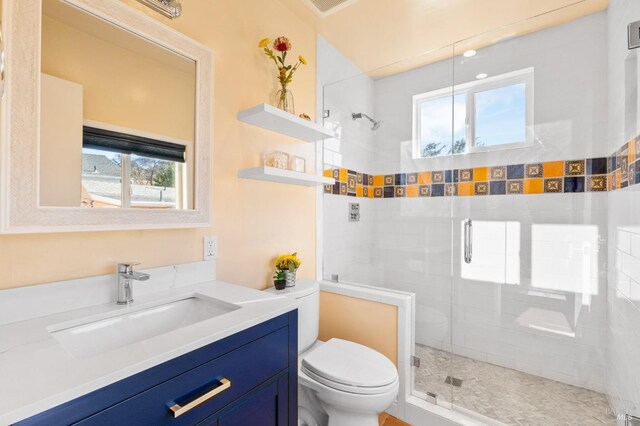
[
  {"x": 271, "y": 174},
  {"x": 274, "y": 119}
]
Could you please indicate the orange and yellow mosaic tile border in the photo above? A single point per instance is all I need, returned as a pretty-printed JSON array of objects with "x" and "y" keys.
[{"x": 601, "y": 174}]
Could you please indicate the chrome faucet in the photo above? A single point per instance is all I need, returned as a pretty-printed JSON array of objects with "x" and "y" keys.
[{"x": 125, "y": 285}]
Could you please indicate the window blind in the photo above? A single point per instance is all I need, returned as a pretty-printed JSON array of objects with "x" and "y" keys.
[{"x": 123, "y": 143}]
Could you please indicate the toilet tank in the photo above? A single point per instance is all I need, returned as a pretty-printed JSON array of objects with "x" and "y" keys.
[{"x": 307, "y": 297}]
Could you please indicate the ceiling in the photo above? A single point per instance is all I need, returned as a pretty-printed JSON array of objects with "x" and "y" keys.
[{"x": 408, "y": 33}]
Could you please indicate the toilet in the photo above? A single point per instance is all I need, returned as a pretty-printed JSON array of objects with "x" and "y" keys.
[{"x": 340, "y": 383}]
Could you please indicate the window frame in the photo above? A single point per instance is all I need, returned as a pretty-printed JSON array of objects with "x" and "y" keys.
[
  {"x": 126, "y": 193},
  {"x": 181, "y": 178},
  {"x": 470, "y": 89}
]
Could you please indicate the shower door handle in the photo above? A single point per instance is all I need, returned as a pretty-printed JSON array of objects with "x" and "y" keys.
[
  {"x": 2, "y": 66},
  {"x": 468, "y": 240}
]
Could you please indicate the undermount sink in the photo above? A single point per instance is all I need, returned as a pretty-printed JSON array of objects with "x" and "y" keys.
[{"x": 125, "y": 327}]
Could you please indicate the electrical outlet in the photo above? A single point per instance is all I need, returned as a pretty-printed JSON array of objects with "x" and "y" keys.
[{"x": 210, "y": 248}]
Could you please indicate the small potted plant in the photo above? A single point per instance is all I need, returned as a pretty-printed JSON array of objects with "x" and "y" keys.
[
  {"x": 279, "y": 280},
  {"x": 289, "y": 264}
]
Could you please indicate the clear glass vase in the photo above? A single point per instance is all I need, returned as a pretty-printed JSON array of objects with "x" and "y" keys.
[
  {"x": 290, "y": 277},
  {"x": 284, "y": 99}
]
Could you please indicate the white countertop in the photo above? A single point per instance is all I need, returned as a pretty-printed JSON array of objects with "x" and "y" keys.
[{"x": 37, "y": 373}]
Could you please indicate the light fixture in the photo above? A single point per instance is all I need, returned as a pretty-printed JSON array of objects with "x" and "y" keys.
[
  {"x": 169, "y": 8},
  {"x": 469, "y": 53},
  {"x": 482, "y": 75}
]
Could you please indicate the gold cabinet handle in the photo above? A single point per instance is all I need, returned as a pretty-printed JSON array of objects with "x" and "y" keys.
[{"x": 179, "y": 410}]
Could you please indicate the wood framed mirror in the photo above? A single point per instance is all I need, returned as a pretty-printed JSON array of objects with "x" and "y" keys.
[{"x": 106, "y": 120}]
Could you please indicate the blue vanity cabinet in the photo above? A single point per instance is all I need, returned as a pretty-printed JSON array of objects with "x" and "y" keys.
[
  {"x": 263, "y": 406},
  {"x": 249, "y": 378}
]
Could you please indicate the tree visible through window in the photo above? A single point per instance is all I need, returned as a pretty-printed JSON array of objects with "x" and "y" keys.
[
  {"x": 153, "y": 180},
  {"x": 436, "y": 130},
  {"x": 151, "y": 171}
]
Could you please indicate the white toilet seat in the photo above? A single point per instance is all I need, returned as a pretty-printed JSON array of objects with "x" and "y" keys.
[
  {"x": 360, "y": 390},
  {"x": 350, "y": 367}
]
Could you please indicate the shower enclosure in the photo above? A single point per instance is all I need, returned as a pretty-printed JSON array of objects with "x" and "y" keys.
[{"x": 486, "y": 188}]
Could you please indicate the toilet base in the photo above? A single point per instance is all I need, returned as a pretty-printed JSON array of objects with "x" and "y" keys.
[
  {"x": 310, "y": 411},
  {"x": 342, "y": 418},
  {"x": 331, "y": 407}
]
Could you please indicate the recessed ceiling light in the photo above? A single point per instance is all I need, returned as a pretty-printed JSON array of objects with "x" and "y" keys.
[
  {"x": 482, "y": 75},
  {"x": 469, "y": 53}
]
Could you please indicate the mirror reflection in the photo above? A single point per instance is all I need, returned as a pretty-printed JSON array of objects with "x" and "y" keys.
[{"x": 117, "y": 124}]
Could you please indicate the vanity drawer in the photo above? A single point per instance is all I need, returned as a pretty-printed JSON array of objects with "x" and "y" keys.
[
  {"x": 266, "y": 405},
  {"x": 244, "y": 368}
]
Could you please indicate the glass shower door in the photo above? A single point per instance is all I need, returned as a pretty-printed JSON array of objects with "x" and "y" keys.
[
  {"x": 421, "y": 129},
  {"x": 529, "y": 225}
]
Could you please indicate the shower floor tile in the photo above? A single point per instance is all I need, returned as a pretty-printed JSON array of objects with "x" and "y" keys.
[{"x": 507, "y": 395}]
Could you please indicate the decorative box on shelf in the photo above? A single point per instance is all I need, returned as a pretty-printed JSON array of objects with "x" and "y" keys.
[
  {"x": 297, "y": 164},
  {"x": 276, "y": 159}
]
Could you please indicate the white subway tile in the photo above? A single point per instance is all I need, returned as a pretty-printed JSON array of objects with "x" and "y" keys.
[
  {"x": 328, "y": 157},
  {"x": 332, "y": 144},
  {"x": 623, "y": 240},
  {"x": 337, "y": 160},
  {"x": 635, "y": 245}
]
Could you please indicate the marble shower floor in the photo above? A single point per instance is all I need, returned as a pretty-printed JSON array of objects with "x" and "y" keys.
[{"x": 507, "y": 395}]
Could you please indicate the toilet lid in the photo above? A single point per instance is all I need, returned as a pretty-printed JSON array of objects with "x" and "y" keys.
[{"x": 351, "y": 364}]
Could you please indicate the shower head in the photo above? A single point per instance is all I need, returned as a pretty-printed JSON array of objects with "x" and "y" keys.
[{"x": 376, "y": 123}]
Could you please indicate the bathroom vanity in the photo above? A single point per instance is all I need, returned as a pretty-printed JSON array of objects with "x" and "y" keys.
[
  {"x": 251, "y": 376},
  {"x": 208, "y": 353}
]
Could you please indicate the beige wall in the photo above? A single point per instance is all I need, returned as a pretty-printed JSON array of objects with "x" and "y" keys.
[
  {"x": 253, "y": 220},
  {"x": 369, "y": 323},
  {"x": 121, "y": 87}
]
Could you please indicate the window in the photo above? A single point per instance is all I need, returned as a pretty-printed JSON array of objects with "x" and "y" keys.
[
  {"x": 122, "y": 170},
  {"x": 493, "y": 113}
]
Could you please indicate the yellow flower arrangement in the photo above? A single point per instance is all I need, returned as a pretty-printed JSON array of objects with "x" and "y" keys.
[
  {"x": 281, "y": 47},
  {"x": 289, "y": 262}
]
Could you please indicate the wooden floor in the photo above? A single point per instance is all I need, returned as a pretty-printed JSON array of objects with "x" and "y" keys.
[{"x": 387, "y": 420}]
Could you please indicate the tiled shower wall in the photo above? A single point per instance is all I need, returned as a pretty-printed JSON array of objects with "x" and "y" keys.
[
  {"x": 534, "y": 297},
  {"x": 623, "y": 344}
]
